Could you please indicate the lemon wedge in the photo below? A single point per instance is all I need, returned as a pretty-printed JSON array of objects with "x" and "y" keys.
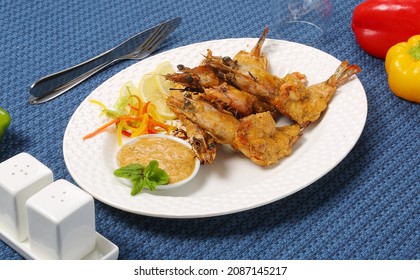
[
  {"x": 161, "y": 70},
  {"x": 149, "y": 90}
]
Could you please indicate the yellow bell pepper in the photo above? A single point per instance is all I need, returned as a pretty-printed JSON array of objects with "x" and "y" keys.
[{"x": 402, "y": 63}]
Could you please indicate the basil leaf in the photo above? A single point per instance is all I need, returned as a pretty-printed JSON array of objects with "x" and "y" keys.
[
  {"x": 134, "y": 172},
  {"x": 154, "y": 174},
  {"x": 138, "y": 185},
  {"x": 150, "y": 184},
  {"x": 149, "y": 177},
  {"x": 150, "y": 168},
  {"x": 129, "y": 171},
  {"x": 160, "y": 176}
]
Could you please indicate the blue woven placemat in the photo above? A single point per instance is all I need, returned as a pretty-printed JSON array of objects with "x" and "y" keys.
[{"x": 365, "y": 208}]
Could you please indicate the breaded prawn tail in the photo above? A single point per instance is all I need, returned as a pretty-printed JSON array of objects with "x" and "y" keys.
[{"x": 306, "y": 104}]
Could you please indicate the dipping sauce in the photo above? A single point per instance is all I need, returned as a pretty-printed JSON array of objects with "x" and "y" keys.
[{"x": 175, "y": 158}]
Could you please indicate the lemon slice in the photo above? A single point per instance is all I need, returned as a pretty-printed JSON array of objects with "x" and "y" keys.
[
  {"x": 150, "y": 91},
  {"x": 163, "y": 84},
  {"x": 147, "y": 86}
]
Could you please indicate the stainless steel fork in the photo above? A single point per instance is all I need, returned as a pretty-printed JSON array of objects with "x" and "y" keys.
[{"x": 137, "y": 47}]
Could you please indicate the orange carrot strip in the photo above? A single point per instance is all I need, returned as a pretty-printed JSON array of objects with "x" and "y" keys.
[
  {"x": 162, "y": 125},
  {"x": 145, "y": 107},
  {"x": 105, "y": 126},
  {"x": 100, "y": 129}
]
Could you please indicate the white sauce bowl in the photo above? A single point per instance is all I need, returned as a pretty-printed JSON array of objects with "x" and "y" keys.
[{"x": 170, "y": 137}]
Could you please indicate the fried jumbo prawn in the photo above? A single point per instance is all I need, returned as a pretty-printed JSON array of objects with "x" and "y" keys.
[
  {"x": 219, "y": 125},
  {"x": 240, "y": 103},
  {"x": 195, "y": 79},
  {"x": 289, "y": 95},
  {"x": 256, "y": 135},
  {"x": 201, "y": 142},
  {"x": 259, "y": 139},
  {"x": 203, "y": 81},
  {"x": 306, "y": 104},
  {"x": 247, "y": 62}
]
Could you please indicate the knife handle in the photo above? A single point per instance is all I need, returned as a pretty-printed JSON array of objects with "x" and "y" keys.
[{"x": 56, "y": 84}]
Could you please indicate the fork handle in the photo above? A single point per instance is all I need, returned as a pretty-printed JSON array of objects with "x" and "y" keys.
[{"x": 56, "y": 84}]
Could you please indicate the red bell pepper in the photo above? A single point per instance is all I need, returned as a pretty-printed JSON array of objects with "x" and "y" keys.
[{"x": 380, "y": 24}]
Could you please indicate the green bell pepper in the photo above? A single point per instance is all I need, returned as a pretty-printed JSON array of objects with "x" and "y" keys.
[{"x": 4, "y": 121}]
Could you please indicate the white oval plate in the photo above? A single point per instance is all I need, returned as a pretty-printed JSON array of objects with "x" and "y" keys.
[{"x": 232, "y": 183}]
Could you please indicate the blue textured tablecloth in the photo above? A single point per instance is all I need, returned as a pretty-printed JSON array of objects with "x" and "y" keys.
[{"x": 368, "y": 207}]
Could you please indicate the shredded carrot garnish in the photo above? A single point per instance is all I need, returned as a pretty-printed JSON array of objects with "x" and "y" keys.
[
  {"x": 132, "y": 117},
  {"x": 100, "y": 129}
]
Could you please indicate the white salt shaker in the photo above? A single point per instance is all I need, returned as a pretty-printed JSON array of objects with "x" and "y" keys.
[
  {"x": 20, "y": 177},
  {"x": 61, "y": 222}
]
